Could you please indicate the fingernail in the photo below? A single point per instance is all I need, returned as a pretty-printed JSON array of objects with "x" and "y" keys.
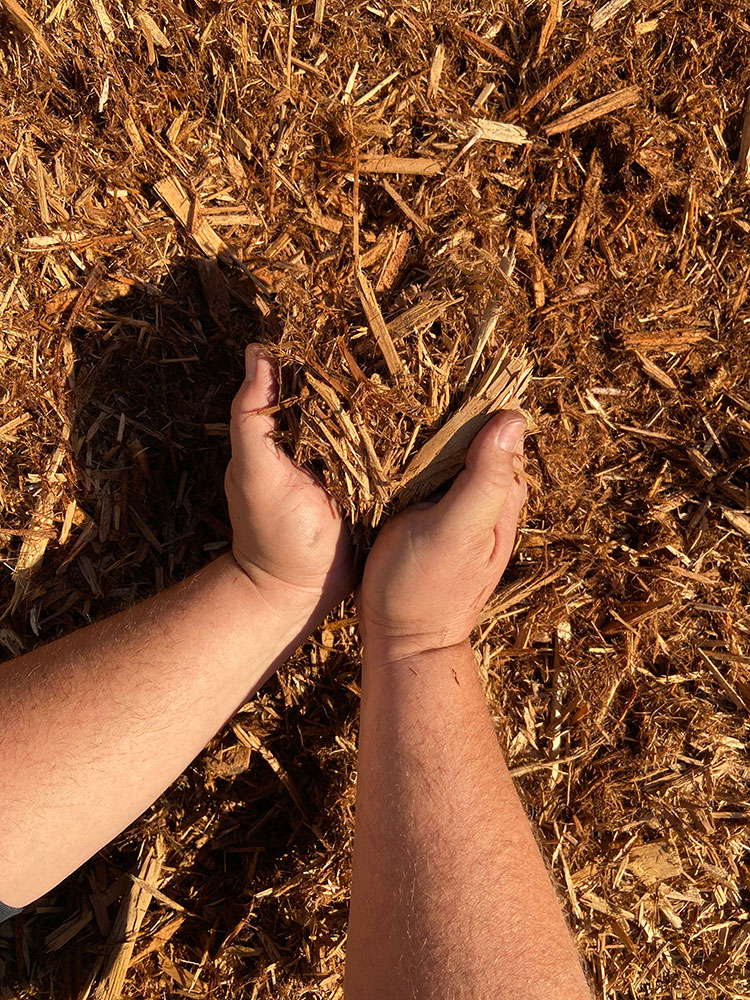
[
  {"x": 510, "y": 434},
  {"x": 251, "y": 362}
]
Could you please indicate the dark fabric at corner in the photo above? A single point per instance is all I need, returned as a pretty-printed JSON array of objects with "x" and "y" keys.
[{"x": 6, "y": 911}]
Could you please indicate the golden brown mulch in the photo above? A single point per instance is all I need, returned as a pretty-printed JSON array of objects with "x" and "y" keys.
[{"x": 390, "y": 195}]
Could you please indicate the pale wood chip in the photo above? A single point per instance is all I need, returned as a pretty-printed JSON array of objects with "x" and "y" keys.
[
  {"x": 419, "y": 316},
  {"x": 104, "y": 20},
  {"x": 189, "y": 985},
  {"x": 589, "y": 196},
  {"x": 35, "y": 544},
  {"x": 654, "y": 862},
  {"x": 483, "y": 43},
  {"x": 646, "y": 27},
  {"x": 665, "y": 339},
  {"x": 125, "y": 929},
  {"x": 484, "y": 331},
  {"x": 160, "y": 937},
  {"x": 657, "y": 374},
  {"x": 8, "y": 429},
  {"x": 738, "y": 520},
  {"x": 152, "y": 29},
  {"x": 408, "y": 211},
  {"x": 177, "y": 201},
  {"x": 436, "y": 71},
  {"x": 492, "y": 131},
  {"x": 240, "y": 142},
  {"x": 393, "y": 263},
  {"x": 553, "y": 17},
  {"x": 376, "y": 89},
  {"x": 60, "y": 936},
  {"x": 399, "y": 165},
  {"x": 733, "y": 693},
  {"x": 611, "y": 9}
]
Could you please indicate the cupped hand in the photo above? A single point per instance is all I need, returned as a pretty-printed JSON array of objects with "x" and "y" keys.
[
  {"x": 433, "y": 566},
  {"x": 289, "y": 535}
]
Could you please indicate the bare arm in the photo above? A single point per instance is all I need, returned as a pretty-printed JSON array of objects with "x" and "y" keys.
[
  {"x": 450, "y": 898},
  {"x": 95, "y": 726}
]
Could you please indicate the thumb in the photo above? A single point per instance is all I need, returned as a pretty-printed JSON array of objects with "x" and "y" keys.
[
  {"x": 252, "y": 425},
  {"x": 481, "y": 491}
]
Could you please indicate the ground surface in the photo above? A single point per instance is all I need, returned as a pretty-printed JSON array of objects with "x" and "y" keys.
[{"x": 614, "y": 245}]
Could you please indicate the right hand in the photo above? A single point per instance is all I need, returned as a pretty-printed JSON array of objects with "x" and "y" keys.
[{"x": 433, "y": 566}]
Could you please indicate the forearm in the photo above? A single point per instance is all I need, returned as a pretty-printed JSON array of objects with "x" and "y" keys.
[
  {"x": 449, "y": 887},
  {"x": 96, "y": 725}
]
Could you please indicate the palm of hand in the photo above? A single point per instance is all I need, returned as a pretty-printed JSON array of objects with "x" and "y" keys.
[{"x": 423, "y": 586}]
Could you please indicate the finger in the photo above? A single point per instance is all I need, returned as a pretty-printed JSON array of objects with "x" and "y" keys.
[{"x": 481, "y": 492}]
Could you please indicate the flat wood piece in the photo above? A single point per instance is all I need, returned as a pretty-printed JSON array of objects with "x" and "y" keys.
[
  {"x": 605, "y": 14},
  {"x": 420, "y": 165},
  {"x": 436, "y": 71},
  {"x": 492, "y": 131},
  {"x": 126, "y": 928},
  {"x": 377, "y": 325},
  {"x": 654, "y": 862},
  {"x": 536, "y": 98},
  {"x": 240, "y": 142},
  {"x": 624, "y": 98},
  {"x": 374, "y": 91},
  {"x": 393, "y": 263},
  {"x": 104, "y": 20},
  {"x": 175, "y": 198},
  {"x": 152, "y": 29},
  {"x": 418, "y": 316},
  {"x": 738, "y": 520},
  {"x": 589, "y": 196},
  {"x": 35, "y": 543},
  {"x": 485, "y": 330},
  {"x": 655, "y": 372},
  {"x": 408, "y": 211}
]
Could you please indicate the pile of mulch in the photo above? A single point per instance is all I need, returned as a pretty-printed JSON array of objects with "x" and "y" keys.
[{"x": 414, "y": 207}]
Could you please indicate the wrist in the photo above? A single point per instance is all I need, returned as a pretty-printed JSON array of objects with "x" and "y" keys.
[
  {"x": 287, "y": 607},
  {"x": 388, "y": 652}
]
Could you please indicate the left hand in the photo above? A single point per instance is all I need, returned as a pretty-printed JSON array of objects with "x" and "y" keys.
[{"x": 289, "y": 536}]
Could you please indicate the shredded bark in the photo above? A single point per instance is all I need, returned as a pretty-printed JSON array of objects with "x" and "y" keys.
[{"x": 420, "y": 209}]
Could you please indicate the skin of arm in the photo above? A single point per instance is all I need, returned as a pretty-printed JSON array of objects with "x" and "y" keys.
[
  {"x": 95, "y": 726},
  {"x": 450, "y": 898}
]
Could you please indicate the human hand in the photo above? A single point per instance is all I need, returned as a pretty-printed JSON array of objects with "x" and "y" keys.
[
  {"x": 433, "y": 566},
  {"x": 289, "y": 535}
]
